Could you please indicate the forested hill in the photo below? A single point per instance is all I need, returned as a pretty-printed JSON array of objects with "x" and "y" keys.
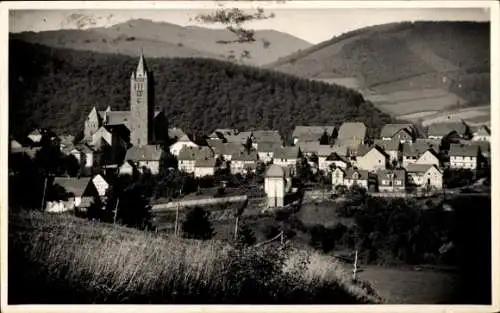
[{"x": 56, "y": 88}]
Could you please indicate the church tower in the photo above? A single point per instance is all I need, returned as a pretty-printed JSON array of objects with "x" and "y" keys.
[{"x": 141, "y": 115}]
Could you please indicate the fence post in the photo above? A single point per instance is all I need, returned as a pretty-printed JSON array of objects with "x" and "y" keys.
[
  {"x": 236, "y": 228},
  {"x": 355, "y": 269},
  {"x": 176, "y": 220}
]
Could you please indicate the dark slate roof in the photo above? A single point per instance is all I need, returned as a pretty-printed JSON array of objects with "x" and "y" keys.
[
  {"x": 245, "y": 156},
  {"x": 443, "y": 129},
  {"x": 307, "y": 132},
  {"x": 336, "y": 157},
  {"x": 76, "y": 186},
  {"x": 418, "y": 148},
  {"x": 240, "y": 137},
  {"x": 144, "y": 153},
  {"x": 266, "y": 136},
  {"x": 349, "y": 130},
  {"x": 399, "y": 174},
  {"x": 309, "y": 146},
  {"x": 205, "y": 162},
  {"x": 194, "y": 153},
  {"x": 388, "y": 145},
  {"x": 286, "y": 153},
  {"x": 363, "y": 174},
  {"x": 390, "y": 130},
  {"x": 266, "y": 146},
  {"x": 418, "y": 168},
  {"x": 364, "y": 149},
  {"x": 463, "y": 150}
]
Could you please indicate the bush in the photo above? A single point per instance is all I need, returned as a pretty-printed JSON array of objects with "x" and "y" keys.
[{"x": 197, "y": 224}]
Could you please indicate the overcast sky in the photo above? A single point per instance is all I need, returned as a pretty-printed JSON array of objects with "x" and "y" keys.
[{"x": 313, "y": 25}]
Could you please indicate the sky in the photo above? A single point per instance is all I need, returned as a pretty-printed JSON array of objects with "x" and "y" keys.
[{"x": 311, "y": 24}]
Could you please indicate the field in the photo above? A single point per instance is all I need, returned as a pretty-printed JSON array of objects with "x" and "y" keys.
[
  {"x": 474, "y": 116},
  {"x": 76, "y": 261}
]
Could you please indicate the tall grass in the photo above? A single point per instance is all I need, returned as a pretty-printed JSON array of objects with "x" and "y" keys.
[{"x": 62, "y": 259}]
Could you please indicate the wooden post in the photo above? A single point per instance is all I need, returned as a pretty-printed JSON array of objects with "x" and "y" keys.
[
  {"x": 355, "y": 269},
  {"x": 43, "y": 196},
  {"x": 236, "y": 228},
  {"x": 176, "y": 220},
  {"x": 116, "y": 211},
  {"x": 282, "y": 239}
]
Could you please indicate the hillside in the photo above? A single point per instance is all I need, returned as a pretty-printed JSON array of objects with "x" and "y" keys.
[
  {"x": 100, "y": 263},
  {"x": 57, "y": 88},
  {"x": 159, "y": 39},
  {"x": 404, "y": 68}
]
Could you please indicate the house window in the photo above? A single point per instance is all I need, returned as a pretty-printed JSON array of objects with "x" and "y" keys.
[{"x": 397, "y": 182}]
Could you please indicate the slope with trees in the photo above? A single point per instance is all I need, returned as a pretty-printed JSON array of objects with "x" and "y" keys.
[{"x": 56, "y": 88}]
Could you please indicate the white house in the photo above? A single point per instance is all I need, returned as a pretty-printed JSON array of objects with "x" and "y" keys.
[
  {"x": 80, "y": 194},
  {"x": 205, "y": 166},
  {"x": 35, "y": 136},
  {"x": 349, "y": 177},
  {"x": 463, "y": 156},
  {"x": 274, "y": 186},
  {"x": 100, "y": 184},
  {"x": 145, "y": 158},
  {"x": 243, "y": 161},
  {"x": 182, "y": 142},
  {"x": 127, "y": 168},
  {"x": 286, "y": 156},
  {"x": 425, "y": 175},
  {"x": 373, "y": 160},
  {"x": 429, "y": 157},
  {"x": 482, "y": 134},
  {"x": 391, "y": 180}
]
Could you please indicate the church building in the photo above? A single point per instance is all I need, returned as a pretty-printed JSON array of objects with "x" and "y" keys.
[{"x": 144, "y": 126}]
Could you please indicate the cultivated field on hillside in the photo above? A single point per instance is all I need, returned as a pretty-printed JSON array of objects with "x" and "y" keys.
[
  {"x": 474, "y": 116},
  {"x": 76, "y": 261}
]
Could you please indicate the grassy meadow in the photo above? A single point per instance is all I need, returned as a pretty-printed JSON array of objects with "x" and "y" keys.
[{"x": 63, "y": 259}]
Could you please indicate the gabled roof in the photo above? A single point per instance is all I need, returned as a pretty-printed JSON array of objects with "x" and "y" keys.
[
  {"x": 334, "y": 156},
  {"x": 266, "y": 146},
  {"x": 444, "y": 129},
  {"x": 420, "y": 168},
  {"x": 417, "y": 149},
  {"x": 194, "y": 153},
  {"x": 306, "y": 132},
  {"x": 463, "y": 150},
  {"x": 349, "y": 172},
  {"x": 398, "y": 174},
  {"x": 205, "y": 162},
  {"x": 363, "y": 150},
  {"x": 175, "y": 133},
  {"x": 286, "y": 153},
  {"x": 76, "y": 186},
  {"x": 388, "y": 145},
  {"x": 245, "y": 156},
  {"x": 275, "y": 171},
  {"x": 240, "y": 137},
  {"x": 390, "y": 130},
  {"x": 144, "y": 153},
  {"x": 266, "y": 136},
  {"x": 349, "y": 130},
  {"x": 309, "y": 146}
]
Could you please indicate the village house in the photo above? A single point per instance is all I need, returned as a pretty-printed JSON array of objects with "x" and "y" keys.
[
  {"x": 127, "y": 168},
  {"x": 464, "y": 156},
  {"x": 412, "y": 152},
  {"x": 425, "y": 176},
  {"x": 351, "y": 134},
  {"x": 36, "y": 136},
  {"x": 221, "y": 134},
  {"x": 429, "y": 157},
  {"x": 240, "y": 138},
  {"x": 274, "y": 186},
  {"x": 336, "y": 160},
  {"x": 326, "y": 151},
  {"x": 309, "y": 148},
  {"x": 373, "y": 159},
  {"x": 224, "y": 150},
  {"x": 286, "y": 156},
  {"x": 100, "y": 184},
  {"x": 349, "y": 177},
  {"x": 205, "y": 166},
  {"x": 266, "y": 136},
  {"x": 244, "y": 161},
  {"x": 391, "y": 180},
  {"x": 312, "y": 133},
  {"x": 391, "y": 147},
  {"x": 183, "y": 141},
  {"x": 483, "y": 133},
  {"x": 81, "y": 193},
  {"x": 266, "y": 150},
  {"x": 145, "y": 158},
  {"x": 188, "y": 156},
  {"x": 448, "y": 129},
  {"x": 399, "y": 132}
]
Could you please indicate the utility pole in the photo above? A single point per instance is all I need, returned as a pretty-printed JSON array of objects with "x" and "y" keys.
[
  {"x": 116, "y": 211},
  {"x": 176, "y": 230},
  {"x": 236, "y": 228},
  {"x": 355, "y": 269},
  {"x": 43, "y": 196}
]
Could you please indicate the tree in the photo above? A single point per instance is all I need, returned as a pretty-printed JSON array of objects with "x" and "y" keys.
[
  {"x": 72, "y": 165},
  {"x": 324, "y": 139},
  {"x": 246, "y": 236},
  {"x": 197, "y": 224}
]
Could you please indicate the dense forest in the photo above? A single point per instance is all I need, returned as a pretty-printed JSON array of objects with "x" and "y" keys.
[{"x": 56, "y": 88}]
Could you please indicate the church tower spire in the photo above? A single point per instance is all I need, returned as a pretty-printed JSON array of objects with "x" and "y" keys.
[{"x": 141, "y": 113}]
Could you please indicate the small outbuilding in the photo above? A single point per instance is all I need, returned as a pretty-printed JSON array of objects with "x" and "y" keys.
[{"x": 274, "y": 186}]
